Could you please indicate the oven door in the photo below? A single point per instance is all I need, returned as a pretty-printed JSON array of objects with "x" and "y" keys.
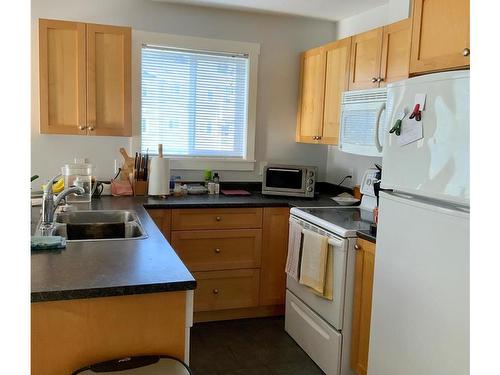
[
  {"x": 290, "y": 180},
  {"x": 331, "y": 311}
]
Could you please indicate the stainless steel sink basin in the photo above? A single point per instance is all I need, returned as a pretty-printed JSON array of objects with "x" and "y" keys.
[
  {"x": 88, "y": 217},
  {"x": 99, "y": 231},
  {"x": 98, "y": 225}
]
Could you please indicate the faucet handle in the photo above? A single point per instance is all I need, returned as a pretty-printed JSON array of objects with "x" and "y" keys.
[{"x": 48, "y": 186}]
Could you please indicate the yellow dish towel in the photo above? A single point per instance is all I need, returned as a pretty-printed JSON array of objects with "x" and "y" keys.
[
  {"x": 328, "y": 291},
  {"x": 313, "y": 262}
]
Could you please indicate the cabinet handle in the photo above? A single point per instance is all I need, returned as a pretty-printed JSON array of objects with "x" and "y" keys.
[
  {"x": 82, "y": 127},
  {"x": 215, "y": 291},
  {"x": 380, "y": 79},
  {"x": 218, "y": 218},
  {"x": 357, "y": 247},
  {"x": 91, "y": 128},
  {"x": 217, "y": 250},
  {"x": 374, "y": 79},
  {"x": 466, "y": 52},
  {"x": 318, "y": 137}
]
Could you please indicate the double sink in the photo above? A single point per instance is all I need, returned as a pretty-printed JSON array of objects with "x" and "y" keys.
[{"x": 98, "y": 225}]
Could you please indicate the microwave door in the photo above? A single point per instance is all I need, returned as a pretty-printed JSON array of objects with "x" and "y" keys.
[
  {"x": 285, "y": 179},
  {"x": 362, "y": 129}
]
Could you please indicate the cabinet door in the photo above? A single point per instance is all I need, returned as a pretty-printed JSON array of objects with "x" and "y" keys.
[
  {"x": 62, "y": 77},
  {"x": 108, "y": 80},
  {"x": 396, "y": 45},
  {"x": 336, "y": 82},
  {"x": 273, "y": 258},
  {"x": 311, "y": 95},
  {"x": 366, "y": 51},
  {"x": 163, "y": 220},
  {"x": 362, "y": 309},
  {"x": 440, "y": 35}
]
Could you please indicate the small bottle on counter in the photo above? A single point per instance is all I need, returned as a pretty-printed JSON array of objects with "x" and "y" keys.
[
  {"x": 217, "y": 188},
  {"x": 216, "y": 178},
  {"x": 211, "y": 188}
]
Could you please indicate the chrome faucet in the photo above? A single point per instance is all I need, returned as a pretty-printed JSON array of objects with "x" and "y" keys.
[{"x": 49, "y": 204}]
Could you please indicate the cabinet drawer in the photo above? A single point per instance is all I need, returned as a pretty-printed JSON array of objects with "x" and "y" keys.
[
  {"x": 216, "y": 218},
  {"x": 219, "y": 290},
  {"x": 218, "y": 250}
]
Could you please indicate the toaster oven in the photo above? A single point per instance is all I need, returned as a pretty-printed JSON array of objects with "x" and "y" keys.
[{"x": 290, "y": 180}]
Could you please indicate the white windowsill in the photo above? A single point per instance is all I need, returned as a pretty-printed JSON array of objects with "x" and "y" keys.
[{"x": 220, "y": 164}]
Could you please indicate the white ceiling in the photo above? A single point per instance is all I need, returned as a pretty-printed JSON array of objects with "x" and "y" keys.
[{"x": 332, "y": 10}]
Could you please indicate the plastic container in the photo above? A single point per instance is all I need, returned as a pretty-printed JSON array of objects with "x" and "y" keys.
[{"x": 78, "y": 175}]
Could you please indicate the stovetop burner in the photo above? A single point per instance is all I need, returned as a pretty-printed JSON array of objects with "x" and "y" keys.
[{"x": 343, "y": 221}]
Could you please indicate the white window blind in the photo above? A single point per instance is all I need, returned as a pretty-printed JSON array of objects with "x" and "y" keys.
[{"x": 194, "y": 102}]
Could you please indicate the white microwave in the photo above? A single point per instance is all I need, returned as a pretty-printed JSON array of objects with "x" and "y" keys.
[{"x": 362, "y": 121}]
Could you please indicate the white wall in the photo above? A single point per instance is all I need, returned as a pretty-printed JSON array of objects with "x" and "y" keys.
[
  {"x": 340, "y": 164},
  {"x": 282, "y": 38}
]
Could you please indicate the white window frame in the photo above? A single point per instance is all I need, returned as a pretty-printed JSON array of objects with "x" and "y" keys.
[{"x": 140, "y": 38}]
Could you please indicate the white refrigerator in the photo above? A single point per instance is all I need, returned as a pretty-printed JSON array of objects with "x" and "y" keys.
[{"x": 420, "y": 311}]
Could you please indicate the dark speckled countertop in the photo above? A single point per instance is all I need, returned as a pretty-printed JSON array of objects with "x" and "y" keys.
[{"x": 135, "y": 266}]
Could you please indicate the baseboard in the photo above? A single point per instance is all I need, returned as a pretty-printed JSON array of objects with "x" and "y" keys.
[{"x": 250, "y": 312}]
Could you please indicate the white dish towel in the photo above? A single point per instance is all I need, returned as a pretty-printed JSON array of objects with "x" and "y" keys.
[
  {"x": 314, "y": 260},
  {"x": 293, "y": 257}
]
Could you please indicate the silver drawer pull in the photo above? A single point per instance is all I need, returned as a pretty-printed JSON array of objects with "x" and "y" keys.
[
  {"x": 215, "y": 291},
  {"x": 218, "y": 218},
  {"x": 217, "y": 250}
]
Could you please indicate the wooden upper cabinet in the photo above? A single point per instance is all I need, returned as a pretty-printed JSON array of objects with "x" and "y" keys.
[
  {"x": 362, "y": 306},
  {"x": 62, "y": 77},
  {"x": 85, "y": 78},
  {"x": 108, "y": 80},
  {"x": 311, "y": 94},
  {"x": 336, "y": 82},
  {"x": 395, "y": 64},
  {"x": 366, "y": 51},
  {"x": 440, "y": 35}
]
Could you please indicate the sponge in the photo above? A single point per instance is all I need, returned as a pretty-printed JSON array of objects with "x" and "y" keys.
[{"x": 47, "y": 242}]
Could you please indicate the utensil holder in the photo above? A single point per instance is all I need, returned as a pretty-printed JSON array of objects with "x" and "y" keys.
[{"x": 140, "y": 188}]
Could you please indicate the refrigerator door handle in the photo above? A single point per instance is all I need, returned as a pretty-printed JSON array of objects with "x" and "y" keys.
[{"x": 377, "y": 126}]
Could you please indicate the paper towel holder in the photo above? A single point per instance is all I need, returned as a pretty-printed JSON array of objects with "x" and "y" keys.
[{"x": 159, "y": 175}]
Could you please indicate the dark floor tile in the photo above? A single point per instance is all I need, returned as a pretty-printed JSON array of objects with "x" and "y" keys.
[
  {"x": 241, "y": 346},
  {"x": 257, "y": 370},
  {"x": 295, "y": 368}
]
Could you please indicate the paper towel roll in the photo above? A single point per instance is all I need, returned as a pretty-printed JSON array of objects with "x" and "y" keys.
[{"x": 159, "y": 176}]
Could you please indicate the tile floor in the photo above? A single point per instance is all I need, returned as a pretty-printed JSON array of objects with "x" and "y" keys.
[{"x": 247, "y": 347}]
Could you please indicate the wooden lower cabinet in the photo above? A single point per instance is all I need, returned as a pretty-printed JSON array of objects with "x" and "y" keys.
[
  {"x": 67, "y": 335},
  {"x": 230, "y": 289},
  {"x": 236, "y": 255},
  {"x": 274, "y": 252},
  {"x": 362, "y": 307},
  {"x": 221, "y": 249},
  {"x": 163, "y": 220}
]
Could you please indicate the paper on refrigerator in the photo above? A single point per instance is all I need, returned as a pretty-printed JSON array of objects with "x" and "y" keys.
[{"x": 411, "y": 131}]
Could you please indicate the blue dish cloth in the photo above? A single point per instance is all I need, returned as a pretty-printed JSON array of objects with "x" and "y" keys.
[{"x": 47, "y": 242}]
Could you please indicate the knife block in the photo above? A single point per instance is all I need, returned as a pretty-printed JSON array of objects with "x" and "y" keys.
[{"x": 140, "y": 188}]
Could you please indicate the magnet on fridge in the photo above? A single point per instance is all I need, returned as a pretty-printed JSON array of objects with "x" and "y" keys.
[{"x": 416, "y": 114}]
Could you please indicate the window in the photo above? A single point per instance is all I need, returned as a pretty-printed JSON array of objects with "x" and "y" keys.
[{"x": 194, "y": 102}]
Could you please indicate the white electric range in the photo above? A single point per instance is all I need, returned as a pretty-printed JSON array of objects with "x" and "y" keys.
[{"x": 320, "y": 326}]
